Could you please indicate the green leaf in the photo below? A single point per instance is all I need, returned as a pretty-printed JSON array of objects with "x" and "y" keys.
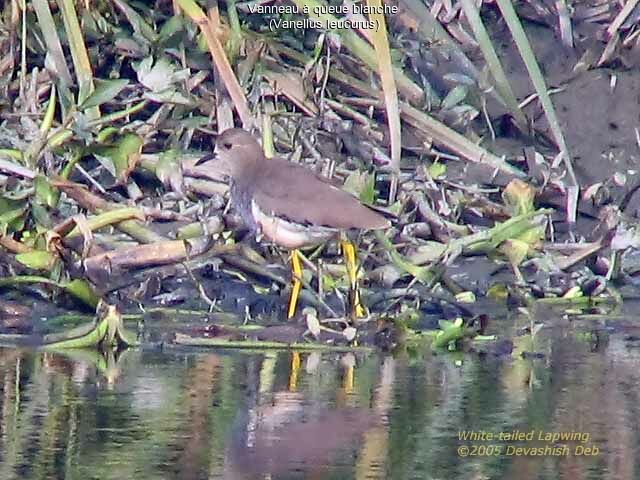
[
  {"x": 466, "y": 297},
  {"x": 368, "y": 193},
  {"x": 83, "y": 291},
  {"x": 105, "y": 91},
  {"x": 12, "y": 215},
  {"x": 106, "y": 332},
  {"x": 450, "y": 333},
  {"x": 362, "y": 185},
  {"x": 170, "y": 95},
  {"x": 41, "y": 216},
  {"x": 142, "y": 29},
  {"x": 519, "y": 197},
  {"x": 161, "y": 75},
  {"x": 170, "y": 28},
  {"x": 574, "y": 292},
  {"x": 122, "y": 157},
  {"x": 437, "y": 169},
  {"x": 37, "y": 260},
  {"x": 168, "y": 166},
  {"x": 455, "y": 96},
  {"x": 195, "y": 121},
  {"x": 46, "y": 193}
]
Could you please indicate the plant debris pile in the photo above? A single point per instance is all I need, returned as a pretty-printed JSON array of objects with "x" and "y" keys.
[{"x": 106, "y": 105}]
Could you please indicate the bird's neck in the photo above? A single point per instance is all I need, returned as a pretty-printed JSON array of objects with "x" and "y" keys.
[{"x": 246, "y": 171}]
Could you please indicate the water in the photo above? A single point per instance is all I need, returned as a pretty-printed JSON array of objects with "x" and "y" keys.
[{"x": 284, "y": 415}]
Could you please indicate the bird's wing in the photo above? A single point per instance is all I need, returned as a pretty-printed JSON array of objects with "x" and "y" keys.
[{"x": 297, "y": 194}]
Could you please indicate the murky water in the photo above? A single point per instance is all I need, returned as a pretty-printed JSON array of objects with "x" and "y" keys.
[{"x": 572, "y": 413}]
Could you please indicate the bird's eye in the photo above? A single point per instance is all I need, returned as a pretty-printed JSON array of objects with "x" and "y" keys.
[{"x": 226, "y": 145}]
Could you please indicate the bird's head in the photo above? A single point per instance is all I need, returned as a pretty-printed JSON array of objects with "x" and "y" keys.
[{"x": 235, "y": 151}]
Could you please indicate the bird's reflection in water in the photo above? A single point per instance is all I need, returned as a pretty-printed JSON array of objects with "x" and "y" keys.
[
  {"x": 292, "y": 435},
  {"x": 310, "y": 442}
]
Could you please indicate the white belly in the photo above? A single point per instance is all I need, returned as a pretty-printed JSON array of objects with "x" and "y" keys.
[{"x": 289, "y": 234}]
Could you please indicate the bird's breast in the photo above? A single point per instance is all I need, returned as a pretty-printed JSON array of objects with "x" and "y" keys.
[{"x": 241, "y": 198}]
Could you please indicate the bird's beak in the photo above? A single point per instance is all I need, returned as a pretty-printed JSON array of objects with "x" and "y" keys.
[{"x": 206, "y": 158}]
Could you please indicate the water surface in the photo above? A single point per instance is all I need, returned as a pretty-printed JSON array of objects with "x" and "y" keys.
[{"x": 570, "y": 412}]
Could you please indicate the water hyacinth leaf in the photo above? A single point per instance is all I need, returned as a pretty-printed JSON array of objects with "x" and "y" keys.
[
  {"x": 169, "y": 170},
  {"x": 83, "y": 291},
  {"x": 160, "y": 75},
  {"x": 532, "y": 236},
  {"x": 519, "y": 196},
  {"x": 46, "y": 193},
  {"x": 80, "y": 332},
  {"x": 512, "y": 228},
  {"x": 121, "y": 158},
  {"x": 12, "y": 215},
  {"x": 41, "y": 216},
  {"x": 362, "y": 185},
  {"x": 498, "y": 292},
  {"x": 11, "y": 209},
  {"x": 515, "y": 250},
  {"x": 37, "y": 260},
  {"x": 170, "y": 95},
  {"x": 455, "y": 96},
  {"x": 170, "y": 28},
  {"x": 73, "y": 287},
  {"x": 142, "y": 30},
  {"x": 154, "y": 76},
  {"x": 450, "y": 333},
  {"x": 445, "y": 324},
  {"x": 328, "y": 282},
  {"x": 105, "y": 91},
  {"x": 437, "y": 170}
]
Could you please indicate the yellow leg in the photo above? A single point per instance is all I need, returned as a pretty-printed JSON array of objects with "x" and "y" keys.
[
  {"x": 349, "y": 252},
  {"x": 348, "y": 381},
  {"x": 295, "y": 369},
  {"x": 296, "y": 270}
]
